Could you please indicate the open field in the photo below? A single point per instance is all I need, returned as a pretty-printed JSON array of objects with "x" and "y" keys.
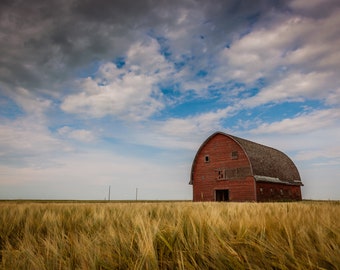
[{"x": 169, "y": 235}]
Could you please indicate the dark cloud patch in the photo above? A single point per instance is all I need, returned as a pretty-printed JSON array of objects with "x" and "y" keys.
[
  {"x": 316, "y": 10},
  {"x": 45, "y": 43},
  {"x": 226, "y": 15},
  {"x": 119, "y": 11}
]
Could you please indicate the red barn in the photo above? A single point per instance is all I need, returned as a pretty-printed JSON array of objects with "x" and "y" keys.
[{"x": 228, "y": 168}]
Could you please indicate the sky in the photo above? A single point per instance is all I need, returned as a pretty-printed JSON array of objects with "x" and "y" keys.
[{"x": 122, "y": 93}]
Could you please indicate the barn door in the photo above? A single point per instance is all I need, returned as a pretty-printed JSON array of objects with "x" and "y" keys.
[{"x": 222, "y": 195}]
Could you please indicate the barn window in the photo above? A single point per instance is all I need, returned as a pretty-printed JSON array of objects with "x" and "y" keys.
[
  {"x": 234, "y": 155},
  {"x": 281, "y": 191},
  {"x": 221, "y": 174},
  {"x": 206, "y": 158},
  {"x": 261, "y": 190}
]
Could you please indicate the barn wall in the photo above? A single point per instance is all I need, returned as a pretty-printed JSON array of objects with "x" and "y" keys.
[
  {"x": 222, "y": 171},
  {"x": 277, "y": 192},
  {"x": 239, "y": 190}
]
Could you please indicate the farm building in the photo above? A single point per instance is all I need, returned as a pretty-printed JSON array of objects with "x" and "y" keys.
[{"x": 228, "y": 168}]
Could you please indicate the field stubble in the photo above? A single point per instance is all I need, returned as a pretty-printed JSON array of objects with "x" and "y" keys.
[{"x": 181, "y": 235}]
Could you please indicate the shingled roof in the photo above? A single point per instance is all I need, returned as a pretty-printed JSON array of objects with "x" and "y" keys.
[{"x": 268, "y": 163}]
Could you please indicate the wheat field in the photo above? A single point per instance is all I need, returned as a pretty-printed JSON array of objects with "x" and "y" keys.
[{"x": 169, "y": 235}]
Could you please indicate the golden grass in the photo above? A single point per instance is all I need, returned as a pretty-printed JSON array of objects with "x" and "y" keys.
[{"x": 181, "y": 235}]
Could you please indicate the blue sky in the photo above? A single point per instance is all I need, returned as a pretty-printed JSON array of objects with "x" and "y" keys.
[{"x": 122, "y": 93}]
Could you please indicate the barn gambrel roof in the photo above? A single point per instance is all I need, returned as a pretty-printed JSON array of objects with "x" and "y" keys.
[{"x": 267, "y": 164}]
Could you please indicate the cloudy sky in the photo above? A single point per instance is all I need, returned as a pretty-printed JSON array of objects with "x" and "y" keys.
[{"x": 122, "y": 93}]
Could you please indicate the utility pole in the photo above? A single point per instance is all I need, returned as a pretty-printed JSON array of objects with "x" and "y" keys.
[
  {"x": 109, "y": 192},
  {"x": 136, "y": 193}
]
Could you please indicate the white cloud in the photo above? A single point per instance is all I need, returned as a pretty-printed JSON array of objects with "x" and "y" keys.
[
  {"x": 301, "y": 124},
  {"x": 294, "y": 87},
  {"x": 31, "y": 103},
  {"x": 260, "y": 52},
  {"x": 128, "y": 93},
  {"x": 179, "y": 133},
  {"x": 172, "y": 134},
  {"x": 333, "y": 97},
  {"x": 147, "y": 59},
  {"x": 332, "y": 153},
  {"x": 201, "y": 123},
  {"x": 318, "y": 44},
  {"x": 82, "y": 135},
  {"x": 130, "y": 98},
  {"x": 26, "y": 142},
  {"x": 297, "y": 56}
]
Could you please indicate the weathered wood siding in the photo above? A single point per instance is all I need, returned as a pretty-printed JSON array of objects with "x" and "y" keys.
[{"x": 267, "y": 192}]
